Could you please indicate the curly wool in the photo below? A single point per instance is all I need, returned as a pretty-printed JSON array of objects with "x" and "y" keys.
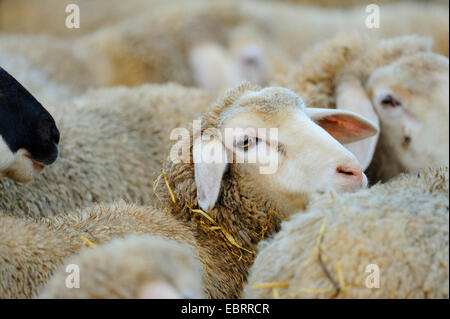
[
  {"x": 124, "y": 267},
  {"x": 30, "y": 251},
  {"x": 401, "y": 226},
  {"x": 113, "y": 144}
]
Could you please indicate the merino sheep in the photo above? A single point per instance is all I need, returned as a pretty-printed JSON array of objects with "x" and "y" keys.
[
  {"x": 337, "y": 248},
  {"x": 28, "y": 135},
  {"x": 113, "y": 143},
  {"x": 397, "y": 82},
  {"x": 137, "y": 266},
  {"x": 220, "y": 206}
]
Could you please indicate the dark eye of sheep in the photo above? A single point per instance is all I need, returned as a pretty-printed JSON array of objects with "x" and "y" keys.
[
  {"x": 247, "y": 142},
  {"x": 390, "y": 101},
  {"x": 250, "y": 61},
  {"x": 406, "y": 141}
]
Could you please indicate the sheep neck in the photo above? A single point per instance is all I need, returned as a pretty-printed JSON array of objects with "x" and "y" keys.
[{"x": 241, "y": 211}]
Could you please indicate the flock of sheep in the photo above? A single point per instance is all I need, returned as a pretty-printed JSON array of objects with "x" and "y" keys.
[{"x": 361, "y": 189}]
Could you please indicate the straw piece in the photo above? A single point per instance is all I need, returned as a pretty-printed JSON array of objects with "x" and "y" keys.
[
  {"x": 318, "y": 242},
  {"x": 276, "y": 293},
  {"x": 170, "y": 190},
  {"x": 227, "y": 235},
  {"x": 279, "y": 215},
  {"x": 216, "y": 226},
  {"x": 270, "y": 285},
  {"x": 340, "y": 275},
  {"x": 88, "y": 242}
]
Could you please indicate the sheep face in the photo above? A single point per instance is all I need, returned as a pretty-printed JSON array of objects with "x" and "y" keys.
[
  {"x": 308, "y": 159},
  {"x": 28, "y": 134},
  {"x": 411, "y": 98}
]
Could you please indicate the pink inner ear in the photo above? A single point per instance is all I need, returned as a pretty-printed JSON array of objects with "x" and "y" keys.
[{"x": 345, "y": 128}]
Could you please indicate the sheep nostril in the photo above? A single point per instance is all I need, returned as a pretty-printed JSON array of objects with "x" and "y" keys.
[{"x": 356, "y": 172}]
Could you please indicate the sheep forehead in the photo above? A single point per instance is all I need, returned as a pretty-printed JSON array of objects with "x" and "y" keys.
[
  {"x": 269, "y": 103},
  {"x": 421, "y": 73}
]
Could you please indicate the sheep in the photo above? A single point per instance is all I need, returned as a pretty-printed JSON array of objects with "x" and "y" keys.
[
  {"x": 113, "y": 142},
  {"x": 397, "y": 83},
  {"x": 136, "y": 266},
  {"x": 222, "y": 207},
  {"x": 337, "y": 248},
  {"x": 28, "y": 134}
]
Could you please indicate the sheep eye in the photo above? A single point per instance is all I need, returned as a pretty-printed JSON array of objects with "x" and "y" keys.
[
  {"x": 390, "y": 101},
  {"x": 247, "y": 142}
]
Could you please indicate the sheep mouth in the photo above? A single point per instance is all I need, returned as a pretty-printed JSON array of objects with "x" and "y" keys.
[{"x": 38, "y": 166}]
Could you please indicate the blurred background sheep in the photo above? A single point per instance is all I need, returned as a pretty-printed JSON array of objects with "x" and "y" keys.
[{"x": 109, "y": 86}]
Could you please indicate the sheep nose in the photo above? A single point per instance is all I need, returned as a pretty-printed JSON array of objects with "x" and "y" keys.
[{"x": 351, "y": 172}]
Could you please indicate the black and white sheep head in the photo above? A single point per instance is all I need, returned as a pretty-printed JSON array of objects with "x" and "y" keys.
[
  {"x": 28, "y": 135},
  {"x": 307, "y": 158},
  {"x": 410, "y": 100}
]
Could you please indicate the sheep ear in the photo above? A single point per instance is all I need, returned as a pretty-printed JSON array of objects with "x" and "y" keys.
[
  {"x": 212, "y": 67},
  {"x": 351, "y": 96},
  {"x": 210, "y": 163},
  {"x": 344, "y": 126}
]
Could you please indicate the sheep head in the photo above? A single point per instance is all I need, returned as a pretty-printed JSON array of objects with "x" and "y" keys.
[
  {"x": 411, "y": 98},
  {"x": 28, "y": 134},
  {"x": 267, "y": 140}
]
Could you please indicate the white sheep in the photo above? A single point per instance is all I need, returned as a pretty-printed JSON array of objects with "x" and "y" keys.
[
  {"x": 397, "y": 83},
  {"x": 220, "y": 206},
  {"x": 389, "y": 241}
]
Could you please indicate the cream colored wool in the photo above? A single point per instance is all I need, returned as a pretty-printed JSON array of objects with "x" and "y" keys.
[
  {"x": 155, "y": 45},
  {"x": 325, "y": 66},
  {"x": 128, "y": 267},
  {"x": 296, "y": 28},
  {"x": 152, "y": 47},
  {"x": 49, "y": 16},
  {"x": 401, "y": 226},
  {"x": 113, "y": 143},
  {"x": 32, "y": 251},
  {"x": 352, "y": 3}
]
